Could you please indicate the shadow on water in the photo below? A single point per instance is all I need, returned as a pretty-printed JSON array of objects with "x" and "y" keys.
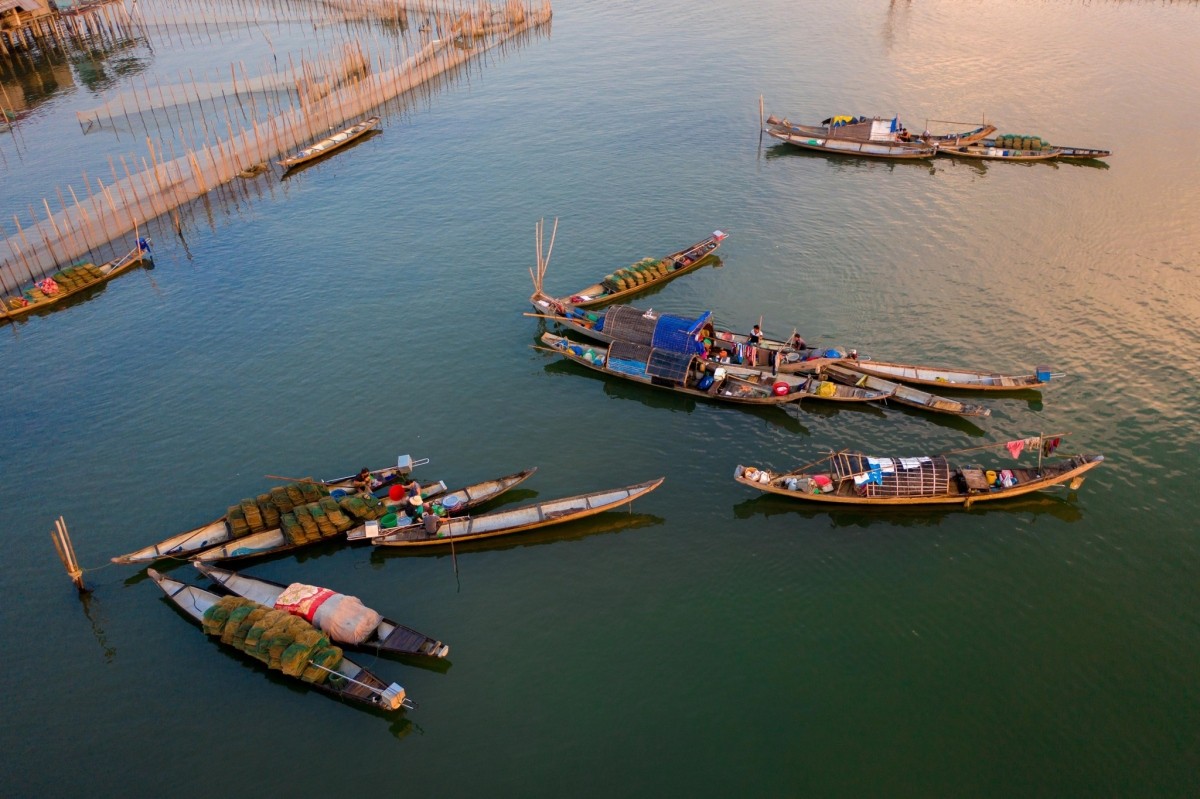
[
  {"x": 655, "y": 397},
  {"x": 962, "y": 424},
  {"x": 1063, "y": 508},
  {"x": 288, "y": 174},
  {"x": 399, "y": 724},
  {"x": 95, "y": 616},
  {"x": 607, "y": 523}
]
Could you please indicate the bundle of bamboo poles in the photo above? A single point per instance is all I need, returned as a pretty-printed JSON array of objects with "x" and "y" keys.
[{"x": 66, "y": 553}]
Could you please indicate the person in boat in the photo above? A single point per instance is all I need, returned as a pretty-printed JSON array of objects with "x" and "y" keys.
[
  {"x": 796, "y": 342},
  {"x": 416, "y": 508},
  {"x": 853, "y": 355},
  {"x": 363, "y": 481},
  {"x": 431, "y": 522},
  {"x": 752, "y": 342}
]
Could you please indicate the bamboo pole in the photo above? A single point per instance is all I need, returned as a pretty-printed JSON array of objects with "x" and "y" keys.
[{"x": 66, "y": 553}]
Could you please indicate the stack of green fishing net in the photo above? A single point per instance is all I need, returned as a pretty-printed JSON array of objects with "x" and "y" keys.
[
  {"x": 266, "y": 511},
  {"x": 77, "y": 276},
  {"x": 1013, "y": 141},
  {"x": 284, "y": 642},
  {"x": 309, "y": 523}
]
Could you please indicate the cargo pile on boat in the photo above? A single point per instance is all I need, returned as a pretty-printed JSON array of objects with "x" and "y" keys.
[
  {"x": 1014, "y": 141},
  {"x": 644, "y": 271},
  {"x": 284, "y": 642},
  {"x": 265, "y": 511}
]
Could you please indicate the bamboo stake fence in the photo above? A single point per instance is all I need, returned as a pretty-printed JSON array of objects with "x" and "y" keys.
[{"x": 257, "y": 119}]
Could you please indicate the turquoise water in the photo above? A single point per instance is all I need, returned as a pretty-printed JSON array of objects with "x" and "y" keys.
[{"x": 715, "y": 641}]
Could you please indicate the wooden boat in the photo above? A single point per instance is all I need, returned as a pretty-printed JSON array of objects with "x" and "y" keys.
[
  {"x": 624, "y": 282},
  {"x": 273, "y": 542},
  {"x": 529, "y": 517},
  {"x": 72, "y": 280},
  {"x": 454, "y": 502},
  {"x": 905, "y": 395},
  {"x": 986, "y": 151},
  {"x": 846, "y": 478},
  {"x": 206, "y": 536},
  {"x": 356, "y": 684},
  {"x": 389, "y": 636},
  {"x": 972, "y": 379},
  {"x": 873, "y": 138},
  {"x": 1081, "y": 153},
  {"x": 685, "y": 334},
  {"x": 669, "y": 331},
  {"x": 331, "y": 143},
  {"x": 960, "y": 138},
  {"x": 682, "y": 373}
]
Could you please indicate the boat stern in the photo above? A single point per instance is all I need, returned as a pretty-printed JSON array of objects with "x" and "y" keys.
[{"x": 393, "y": 698}]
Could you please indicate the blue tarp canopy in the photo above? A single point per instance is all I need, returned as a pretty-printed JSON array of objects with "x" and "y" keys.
[{"x": 661, "y": 331}]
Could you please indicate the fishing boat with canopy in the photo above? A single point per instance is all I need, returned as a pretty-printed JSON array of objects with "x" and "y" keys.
[
  {"x": 852, "y": 478},
  {"x": 872, "y": 137}
]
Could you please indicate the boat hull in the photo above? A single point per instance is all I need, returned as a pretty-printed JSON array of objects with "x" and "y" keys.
[
  {"x": 963, "y": 379},
  {"x": 331, "y": 144},
  {"x": 686, "y": 260},
  {"x": 518, "y": 520},
  {"x": 840, "y": 497},
  {"x": 389, "y": 636},
  {"x": 361, "y": 687},
  {"x": 864, "y": 149},
  {"x": 111, "y": 269}
]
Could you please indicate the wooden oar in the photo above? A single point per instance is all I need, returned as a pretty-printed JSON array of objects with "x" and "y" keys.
[{"x": 324, "y": 482}]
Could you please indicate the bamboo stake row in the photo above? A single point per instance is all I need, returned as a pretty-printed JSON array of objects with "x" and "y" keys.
[{"x": 155, "y": 186}]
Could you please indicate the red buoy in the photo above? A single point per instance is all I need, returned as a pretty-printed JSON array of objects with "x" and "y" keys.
[{"x": 396, "y": 493}]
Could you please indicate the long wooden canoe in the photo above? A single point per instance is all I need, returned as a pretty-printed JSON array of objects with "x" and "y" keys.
[
  {"x": 1080, "y": 153},
  {"x": 84, "y": 277},
  {"x": 905, "y": 395},
  {"x": 356, "y": 684},
  {"x": 855, "y": 479},
  {"x": 960, "y": 138},
  {"x": 330, "y": 143},
  {"x": 529, "y": 517},
  {"x": 185, "y": 544},
  {"x": 679, "y": 372},
  {"x": 273, "y": 542},
  {"x": 983, "y": 150},
  {"x": 454, "y": 502},
  {"x": 867, "y": 138},
  {"x": 945, "y": 377},
  {"x": 627, "y": 282},
  {"x": 389, "y": 636}
]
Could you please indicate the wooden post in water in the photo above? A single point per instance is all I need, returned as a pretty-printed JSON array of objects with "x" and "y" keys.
[{"x": 66, "y": 553}]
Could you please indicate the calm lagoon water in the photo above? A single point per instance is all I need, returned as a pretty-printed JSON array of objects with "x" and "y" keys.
[{"x": 713, "y": 642}]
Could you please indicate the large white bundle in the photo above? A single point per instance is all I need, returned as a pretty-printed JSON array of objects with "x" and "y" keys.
[{"x": 346, "y": 619}]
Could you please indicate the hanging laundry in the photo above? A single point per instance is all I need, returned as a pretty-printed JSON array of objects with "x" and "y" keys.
[
  {"x": 1033, "y": 442},
  {"x": 1015, "y": 448},
  {"x": 1049, "y": 445}
]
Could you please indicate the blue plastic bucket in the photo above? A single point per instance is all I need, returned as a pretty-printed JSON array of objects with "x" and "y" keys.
[
  {"x": 1043, "y": 374},
  {"x": 337, "y": 493}
]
